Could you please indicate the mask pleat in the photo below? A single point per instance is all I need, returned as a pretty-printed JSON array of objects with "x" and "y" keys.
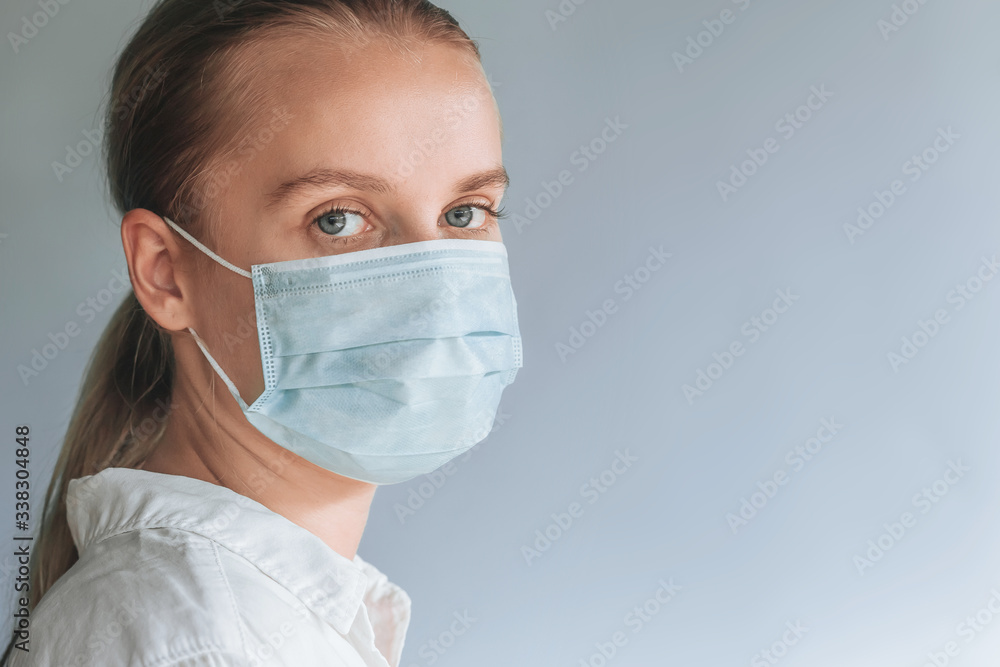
[
  {"x": 475, "y": 354},
  {"x": 442, "y": 304},
  {"x": 336, "y": 415}
]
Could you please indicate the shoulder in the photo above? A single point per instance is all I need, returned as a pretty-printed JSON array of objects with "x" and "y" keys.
[
  {"x": 166, "y": 597},
  {"x": 155, "y": 597}
]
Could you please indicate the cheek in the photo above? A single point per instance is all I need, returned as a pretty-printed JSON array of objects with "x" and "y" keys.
[{"x": 236, "y": 347}]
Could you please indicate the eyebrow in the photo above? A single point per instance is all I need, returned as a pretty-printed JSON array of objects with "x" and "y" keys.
[{"x": 321, "y": 178}]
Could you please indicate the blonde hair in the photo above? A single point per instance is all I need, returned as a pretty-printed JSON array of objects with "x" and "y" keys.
[{"x": 175, "y": 81}]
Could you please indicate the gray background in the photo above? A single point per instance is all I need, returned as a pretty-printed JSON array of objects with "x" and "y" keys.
[{"x": 656, "y": 185}]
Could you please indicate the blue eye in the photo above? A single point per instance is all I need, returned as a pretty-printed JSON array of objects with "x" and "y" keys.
[
  {"x": 464, "y": 216},
  {"x": 339, "y": 219}
]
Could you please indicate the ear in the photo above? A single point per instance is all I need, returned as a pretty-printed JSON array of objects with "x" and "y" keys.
[{"x": 159, "y": 267}]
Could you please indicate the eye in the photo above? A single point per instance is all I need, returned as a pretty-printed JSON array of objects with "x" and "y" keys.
[
  {"x": 466, "y": 216},
  {"x": 337, "y": 220}
]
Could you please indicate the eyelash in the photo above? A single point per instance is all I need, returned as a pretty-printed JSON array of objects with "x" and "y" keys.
[{"x": 495, "y": 213}]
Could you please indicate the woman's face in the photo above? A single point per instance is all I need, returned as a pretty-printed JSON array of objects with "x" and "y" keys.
[{"x": 351, "y": 154}]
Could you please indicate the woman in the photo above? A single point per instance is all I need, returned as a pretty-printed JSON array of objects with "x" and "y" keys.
[{"x": 310, "y": 194}]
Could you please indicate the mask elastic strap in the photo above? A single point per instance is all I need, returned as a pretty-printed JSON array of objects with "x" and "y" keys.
[
  {"x": 218, "y": 369},
  {"x": 198, "y": 244}
]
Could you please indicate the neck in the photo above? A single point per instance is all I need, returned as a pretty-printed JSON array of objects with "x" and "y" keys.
[{"x": 222, "y": 448}]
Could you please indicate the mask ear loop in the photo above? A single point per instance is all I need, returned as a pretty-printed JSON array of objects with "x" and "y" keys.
[
  {"x": 198, "y": 244},
  {"x": 197, "y": 339},
  {"x": 218, "y": 369}
]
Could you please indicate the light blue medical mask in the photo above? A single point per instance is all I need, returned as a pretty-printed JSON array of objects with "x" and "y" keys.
[{"x": 381, "y": 364}]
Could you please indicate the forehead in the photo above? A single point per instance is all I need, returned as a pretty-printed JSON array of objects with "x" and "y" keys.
[{"x": 373, "y": 103}]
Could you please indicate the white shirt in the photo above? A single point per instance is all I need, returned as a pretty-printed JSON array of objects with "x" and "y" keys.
[{"x": 177, "y": 572}]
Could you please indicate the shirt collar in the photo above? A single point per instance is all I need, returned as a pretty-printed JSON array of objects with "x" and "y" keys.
[{"x": 118, "y": 500}]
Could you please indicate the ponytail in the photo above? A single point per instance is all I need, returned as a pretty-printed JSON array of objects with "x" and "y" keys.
[{"x": 120, "y": 415}]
